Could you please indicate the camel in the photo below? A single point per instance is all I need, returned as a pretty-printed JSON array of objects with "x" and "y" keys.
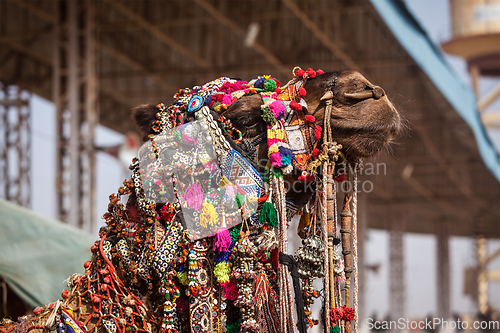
[{"x": 148, "y": 273}]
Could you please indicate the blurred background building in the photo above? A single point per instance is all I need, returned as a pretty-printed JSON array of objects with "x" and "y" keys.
[{"x": 71, "y": 70}]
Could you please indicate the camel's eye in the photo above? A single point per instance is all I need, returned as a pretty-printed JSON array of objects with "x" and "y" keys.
[{"x": 249, "y": 122}]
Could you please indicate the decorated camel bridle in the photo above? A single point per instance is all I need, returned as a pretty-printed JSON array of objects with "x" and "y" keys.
[{"x": 204, "y": 210}]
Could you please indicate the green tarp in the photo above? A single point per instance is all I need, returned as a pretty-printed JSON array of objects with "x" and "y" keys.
[{"x": 37, "y": 254}]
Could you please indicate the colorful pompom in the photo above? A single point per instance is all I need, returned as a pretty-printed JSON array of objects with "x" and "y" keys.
[
  {"x": 319, "y": 72},
  {"x": 222, "y": 240},
  {"x": 222, "y": 272},
  {"x": 295, "y": 106},
  {"x": 270, "y": 85},
  {"x": 230, "y": 290},
  {"x": 302, "y": 92},
  {"x": 309, "y": 119},
  {"x": 259, "y": 83},
  {"x": 300, "y": 73},
  {"x": 267, "y": 115},
  {"x": 275, "y": 159},
  {"x": 317, "y": 132},
  {"x": 278, "y": 109},
  {"x": 311, "y": 73}
]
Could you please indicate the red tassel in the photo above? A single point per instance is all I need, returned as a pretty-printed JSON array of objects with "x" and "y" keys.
[
  {"x": 295, "y": 106},
  {"x": 309, "y": 119},
  {"x": 317, "y": 132},
  {"x": 263, "y": 199},
  {"x": 222, "y": 240},
  {"x": 348, "y": 314},
  {"x": 277, "y": 90},
  {"x": 335, "y": 315},
  {"x": 319, "y": 72},
  {"x": 311, "y": 73},
  {"x": 302, "y": 92}
]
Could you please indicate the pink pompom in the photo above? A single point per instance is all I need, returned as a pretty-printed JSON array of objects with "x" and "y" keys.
[
  {"x": 277, "y": 108},
  {"x": 275, "y": 159},
  {"x": 319, "y": 72},
  {"x": 230, "y": 290},
  {"x": 300, "y": 73},
  {"x": 222, "y": 240},
  {"x": 227, "y": 99}
]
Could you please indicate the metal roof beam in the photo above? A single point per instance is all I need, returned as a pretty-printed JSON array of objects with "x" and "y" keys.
[
  {"x": 189, "y": 22},
  {"x": 129, "y": 62},
  {"x": 26, "y": 50},
  {"x": 323, "y": 38},
  {"x": 449, "y": 171},
  {"x": 34, "y": 10},
  {"x": 431, "y": 197},
  {"x": 157, "y": 33},
  {"x": 234, "y": 28}
]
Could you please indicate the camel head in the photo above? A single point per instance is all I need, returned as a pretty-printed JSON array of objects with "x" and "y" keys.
[
  {"x": 354, "y": 112},
  {"x": 362, "y": 120}
]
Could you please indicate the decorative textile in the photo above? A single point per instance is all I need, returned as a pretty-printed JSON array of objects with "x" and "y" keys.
[{"x": 241, "y": 173}]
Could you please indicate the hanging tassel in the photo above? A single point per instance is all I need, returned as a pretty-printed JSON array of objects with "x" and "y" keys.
[
  {"x": 222, "y": 240},
  {"x": 208, "y": 216},
  {"x": 268, "y": 214}
]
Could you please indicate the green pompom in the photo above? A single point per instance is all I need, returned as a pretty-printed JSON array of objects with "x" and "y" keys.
[
  {"x": 335, "y": 329},
  {"x": 267, "y": 115},
  {"x": 235, "y": 233},
  {"x": 268, "y": 215},
  {"x": 240, "y": 199},
  {"x": 270, "y": 85}
]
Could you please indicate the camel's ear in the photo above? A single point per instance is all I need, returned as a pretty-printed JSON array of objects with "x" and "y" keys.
[{"x": 144, "y": 115}]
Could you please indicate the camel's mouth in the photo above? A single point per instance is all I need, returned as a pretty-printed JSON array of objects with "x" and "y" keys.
[{"x": 373, "y": 124}]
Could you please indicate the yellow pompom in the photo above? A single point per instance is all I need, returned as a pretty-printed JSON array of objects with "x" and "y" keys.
[{"x": 273, "y": 149}]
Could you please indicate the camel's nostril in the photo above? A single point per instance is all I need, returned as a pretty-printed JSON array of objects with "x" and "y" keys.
[{"x": 378, "y": 92}]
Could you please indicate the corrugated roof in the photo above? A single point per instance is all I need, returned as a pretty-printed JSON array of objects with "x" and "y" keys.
[{"x": 414, "y": 39}]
